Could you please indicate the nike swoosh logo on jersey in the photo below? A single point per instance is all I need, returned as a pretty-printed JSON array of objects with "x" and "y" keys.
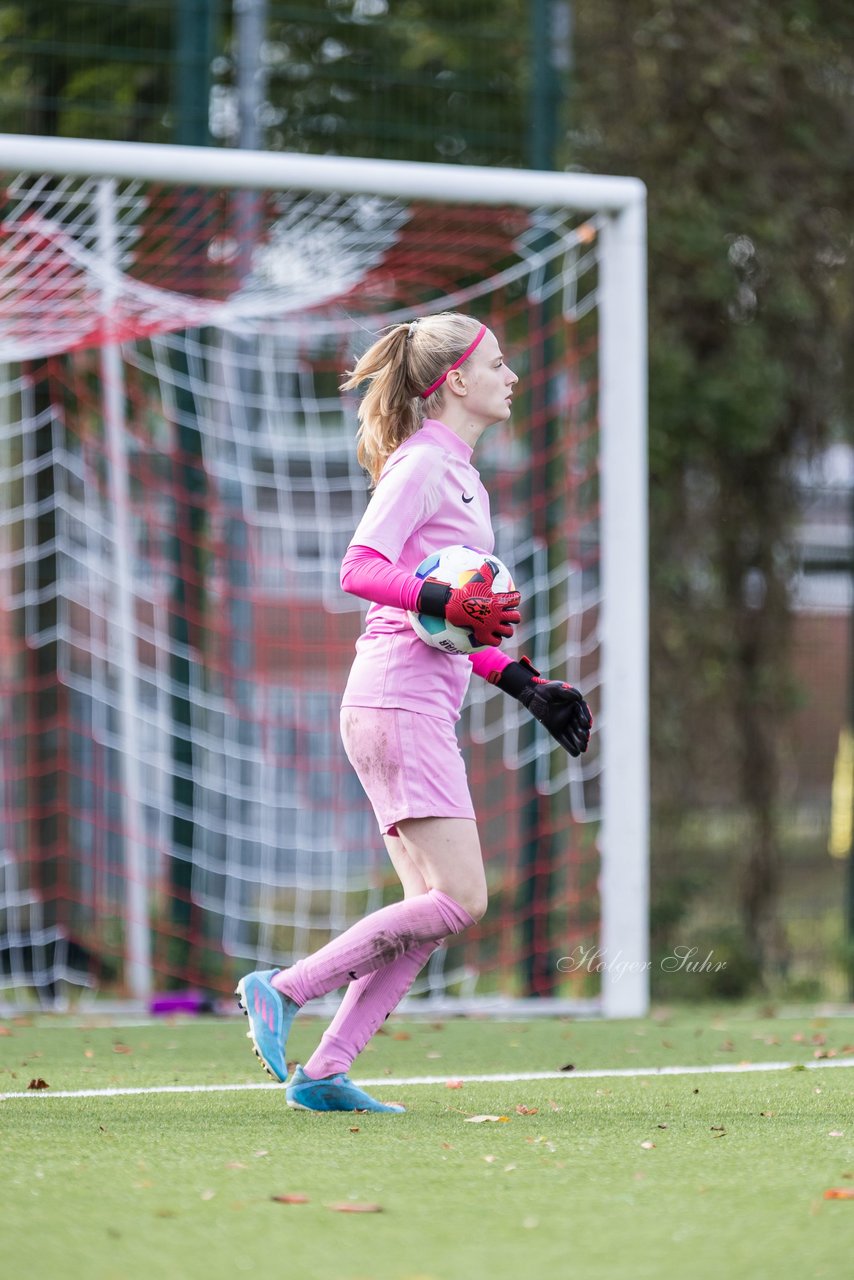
[{"x": 465, "y": 499}]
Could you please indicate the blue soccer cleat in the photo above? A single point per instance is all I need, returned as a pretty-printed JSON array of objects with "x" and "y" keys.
[
  {"x": 333, "y": 1093},
  {"x": 270, "y": 1016}
]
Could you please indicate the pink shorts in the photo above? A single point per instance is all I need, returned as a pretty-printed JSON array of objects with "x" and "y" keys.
[{"x": 409, "y": 764}]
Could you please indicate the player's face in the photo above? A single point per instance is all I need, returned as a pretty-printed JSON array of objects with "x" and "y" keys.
[{"x": 489, "y": 382}]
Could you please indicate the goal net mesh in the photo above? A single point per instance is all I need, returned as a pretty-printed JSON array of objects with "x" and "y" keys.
[{"x": 179, "y": 484}]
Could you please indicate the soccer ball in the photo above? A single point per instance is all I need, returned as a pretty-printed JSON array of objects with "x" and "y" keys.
[{"x": 456, "y": 566}]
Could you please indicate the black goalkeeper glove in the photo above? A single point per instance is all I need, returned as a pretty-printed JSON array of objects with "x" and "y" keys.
[{"x": 557, "y": 706}]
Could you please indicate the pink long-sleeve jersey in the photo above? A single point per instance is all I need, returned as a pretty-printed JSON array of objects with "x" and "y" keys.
[{"x": 429, "y": 496}]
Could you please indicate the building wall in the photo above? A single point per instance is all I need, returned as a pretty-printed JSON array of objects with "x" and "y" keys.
[{"x": 821, "y": 668}]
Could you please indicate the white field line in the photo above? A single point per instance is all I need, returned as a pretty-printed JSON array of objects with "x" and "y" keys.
[{"x": 609, "y": 1073}]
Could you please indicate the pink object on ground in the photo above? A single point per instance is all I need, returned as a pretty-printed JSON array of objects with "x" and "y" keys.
[{"x": 169, "y": 1002}]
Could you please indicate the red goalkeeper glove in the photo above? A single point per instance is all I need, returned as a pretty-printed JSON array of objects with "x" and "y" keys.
[
  {"x": 559, "y": 707},
  {"x": 491, "y": 615}
]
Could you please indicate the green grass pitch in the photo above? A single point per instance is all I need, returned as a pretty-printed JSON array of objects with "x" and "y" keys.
[{"x": 623, "y": 1177}]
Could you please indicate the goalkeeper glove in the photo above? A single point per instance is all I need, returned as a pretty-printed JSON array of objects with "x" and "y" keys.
[
  {"x": 490, "y": 615},
  {"x": 557, "y": 706}
]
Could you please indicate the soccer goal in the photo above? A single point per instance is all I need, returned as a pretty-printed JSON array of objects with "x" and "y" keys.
[{"x": 179, "y": 484}]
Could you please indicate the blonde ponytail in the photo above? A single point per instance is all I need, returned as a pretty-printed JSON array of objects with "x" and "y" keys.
[{"x": 401, "y": 364}]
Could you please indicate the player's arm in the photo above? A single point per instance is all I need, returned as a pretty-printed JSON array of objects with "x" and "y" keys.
[
  {"x": 369, "y": 574},
  {"x": 558, "y": 706}
]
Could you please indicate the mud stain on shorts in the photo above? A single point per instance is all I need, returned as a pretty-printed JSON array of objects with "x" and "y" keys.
[{"x": 372, "y": 753}]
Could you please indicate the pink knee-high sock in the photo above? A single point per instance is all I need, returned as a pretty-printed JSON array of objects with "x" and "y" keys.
[
  {"x": 367, "y": 1003},
  {"x": 372, "y": 943}
]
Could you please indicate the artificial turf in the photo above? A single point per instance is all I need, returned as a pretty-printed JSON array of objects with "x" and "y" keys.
[{"x": 618, "y": 1178}]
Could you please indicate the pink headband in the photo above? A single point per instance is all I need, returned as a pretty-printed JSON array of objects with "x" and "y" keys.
[{"x": 469, "y": 349}]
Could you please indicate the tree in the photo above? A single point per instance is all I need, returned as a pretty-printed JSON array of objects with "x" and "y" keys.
[
  {"x": 739, "y": 117},
  {"x": 86, "y": 70},
  {"x": 414, "y": 79}
]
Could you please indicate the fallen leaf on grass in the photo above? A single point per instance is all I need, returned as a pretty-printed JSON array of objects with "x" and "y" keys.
[
  {"x": 354, "y": 1128},
  {"x": 401, "y": 1035},
  {"x": 347, "y": 1206},
  {"x": 661, "y": 1126},
  {"x": 481, "y": 1119},
  {"x": 38, "y": 1083},
  {"x": 554, "y": 1106},
  {"x": 208, "y": 1194},
  {"x": 122, "y": 1048},
  {"x": 522, "y": 1110},
  {"x": 6, "y": 1031},
  {"x": 839, "y": 1193},
  {"x": 767, "y": 1114},
  {"x": 570, "y": 1066},
  {"x": 453, "y": 1084},
  {"x": 236, "y": 1164},
  {"x": 648, "y": 1146},
  {"x": 295, "y": 1197},
  {"x": 490, "y": 1159}
]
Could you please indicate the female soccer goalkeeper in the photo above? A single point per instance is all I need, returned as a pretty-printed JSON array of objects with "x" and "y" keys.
[{"x": 434, "y": 386}]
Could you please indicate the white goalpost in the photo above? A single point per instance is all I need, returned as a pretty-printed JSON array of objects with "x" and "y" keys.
[{"x": 180, "y": 484}]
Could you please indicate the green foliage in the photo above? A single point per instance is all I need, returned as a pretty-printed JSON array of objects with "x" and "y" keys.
[
  {"x": 717, "y": 965},
  {"x": 739, "y": 117},
  {"x": 92, "y": 69},
  {"x": 393, "y": 78}
]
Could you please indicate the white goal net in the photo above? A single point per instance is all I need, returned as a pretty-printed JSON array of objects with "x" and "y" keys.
[{"x": 179, "y": 485}]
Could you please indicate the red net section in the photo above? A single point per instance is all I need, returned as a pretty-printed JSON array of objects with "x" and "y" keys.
[{"x": 180, "y": 485}]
